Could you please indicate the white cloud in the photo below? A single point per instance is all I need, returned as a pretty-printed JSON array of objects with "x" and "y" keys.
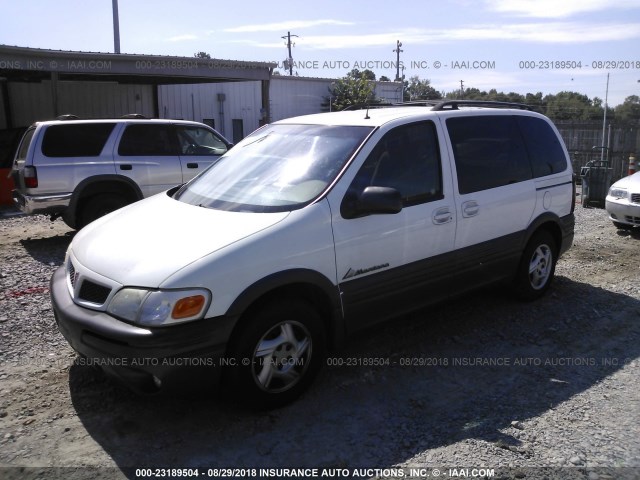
[
  {"x": 288, "y": 25},
  {"x": 556, "y": 33},
  {"x": 182, "y": 38},
  {"x": 557, "y": 8}
]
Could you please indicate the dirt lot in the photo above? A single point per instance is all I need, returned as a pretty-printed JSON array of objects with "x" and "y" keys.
[{"x": 535, "y": 390}]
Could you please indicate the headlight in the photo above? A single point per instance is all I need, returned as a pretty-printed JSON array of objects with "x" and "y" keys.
[
  {"x": 159, "y": 307},
  {"x": 618, "y": 192}
]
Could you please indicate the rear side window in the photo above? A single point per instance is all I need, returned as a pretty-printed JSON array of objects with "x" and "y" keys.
[
  {"x": 489, "y": 152},
  {"x": 545, "y": 150},
  {"x": 24, "y": 145},
  {"x": 76, "y": 140},
  {"x": 147, "y": 140}
]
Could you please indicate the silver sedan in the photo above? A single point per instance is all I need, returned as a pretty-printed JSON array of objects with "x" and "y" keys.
[{"x": 623, "y": 202}]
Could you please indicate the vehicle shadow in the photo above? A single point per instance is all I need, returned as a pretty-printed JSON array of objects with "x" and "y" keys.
[
  {"x": 632, "y": 233},
  {"x": 49, "y": 250},
  {"x": 465, "y": 370}
]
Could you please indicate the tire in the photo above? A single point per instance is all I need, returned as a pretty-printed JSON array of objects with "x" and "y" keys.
[
  {"x": 537, "y": 266},
  {"x": 98, "y": 206},
  {"x": 276, "y": 354},
  {"x": 622, "y": 226}
]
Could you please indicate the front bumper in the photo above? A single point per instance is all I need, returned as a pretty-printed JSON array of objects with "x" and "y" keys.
[
  {"x": 622, "y": 211},
  {"x": 45, "y": 204},
  {"x": 146, "y": 359}
]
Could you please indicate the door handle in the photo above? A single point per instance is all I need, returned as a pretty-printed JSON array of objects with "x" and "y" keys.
[
  {"x": 192, "y": 165},
  {"x": 442, "y": 216},
  {"x": 470, "y": 209},
  {"x": 126, "y": 166}
]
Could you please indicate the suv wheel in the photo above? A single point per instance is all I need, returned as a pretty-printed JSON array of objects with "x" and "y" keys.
[
  {"x": 98, "y": 206},
  {"x": 537, "y": 266},
  {"x": 277, "y": 354}
]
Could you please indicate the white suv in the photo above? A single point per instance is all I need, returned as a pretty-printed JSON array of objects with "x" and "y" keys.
[
  {"x": 309, "y": 230},
  {"x": 82, "y": 169}
]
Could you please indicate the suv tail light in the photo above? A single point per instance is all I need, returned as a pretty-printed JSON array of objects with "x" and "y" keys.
[{"x": 30, "y": 177}]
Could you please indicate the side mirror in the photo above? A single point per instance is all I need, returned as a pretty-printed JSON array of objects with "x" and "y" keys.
[{"x": 371, "y": 201}]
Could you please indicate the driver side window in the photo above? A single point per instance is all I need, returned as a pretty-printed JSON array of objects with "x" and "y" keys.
[
  {"x": 199, "y": 141},
  {"x": 407, "y": 158}
]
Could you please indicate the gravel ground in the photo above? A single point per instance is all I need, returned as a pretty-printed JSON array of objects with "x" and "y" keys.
[{"x": 524, "y": 390}]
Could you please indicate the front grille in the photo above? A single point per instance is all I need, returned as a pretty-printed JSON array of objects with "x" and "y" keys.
[
  {"x": 634, "y": 220},
  {"x": 94, "y": 293},
  {"x": 71, "y": 271},
  {"x": 635, "y": 198}
]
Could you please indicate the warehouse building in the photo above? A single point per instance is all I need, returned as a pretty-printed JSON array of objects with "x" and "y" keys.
[{"x": 235, "y": 97}]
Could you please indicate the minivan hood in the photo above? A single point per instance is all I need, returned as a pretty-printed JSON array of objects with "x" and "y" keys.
[{"x": 144, "y": 243}]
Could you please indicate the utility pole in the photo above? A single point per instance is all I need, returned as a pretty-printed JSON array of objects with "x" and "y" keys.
[
  {"x": 397, "y": 51},
  {"x": 116, "y": 27},
  {"x": 461, "y": 88},
  {"x": 289, "y": 61},
  {"x": 604, "y": 120}
]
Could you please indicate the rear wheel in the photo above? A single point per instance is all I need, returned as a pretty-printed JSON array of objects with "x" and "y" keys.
[
  {"x": 537, "y": 266},
  {"x": 98, "y": 206},
  {"x": 277, "y": 354}
]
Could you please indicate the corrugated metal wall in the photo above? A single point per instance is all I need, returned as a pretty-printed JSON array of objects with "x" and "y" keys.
[
  {"x": 295, "y": 96},
  {"x": 31, "y": 102},
  {"x": 200, "y": 102},
  {"x": 3, "y": 121},
  {"x": 289, "y": 97}
]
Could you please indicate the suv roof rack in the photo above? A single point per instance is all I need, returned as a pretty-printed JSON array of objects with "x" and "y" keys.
[
  {"x": 455, "y": 104},
  {"x": 133, "y": 115},
  {"x": 439, "y": 105}
]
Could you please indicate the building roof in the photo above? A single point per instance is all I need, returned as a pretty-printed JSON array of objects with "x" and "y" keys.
[{"x": 22, "y": 63}]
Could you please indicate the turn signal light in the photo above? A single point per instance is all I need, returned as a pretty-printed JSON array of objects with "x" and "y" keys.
[{"x": 188, "y": 307}]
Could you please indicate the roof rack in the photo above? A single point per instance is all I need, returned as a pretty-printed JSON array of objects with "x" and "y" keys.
[
  {"x": 439, "y": 105},
  {"x": 67, "y": 116},
  {"x": 455, "y": 104}
]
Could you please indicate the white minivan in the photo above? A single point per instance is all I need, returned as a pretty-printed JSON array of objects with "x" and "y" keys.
[{"x": 309, "y": 230}]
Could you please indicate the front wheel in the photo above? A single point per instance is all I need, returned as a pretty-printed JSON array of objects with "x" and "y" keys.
[
  {"x": 277, "y": 354},
  {"x": 622, "y": 226},
  {"x": 537, "y": 266}
]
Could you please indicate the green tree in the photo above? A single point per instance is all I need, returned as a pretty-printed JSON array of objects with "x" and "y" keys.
[
  {"x": 384, "y": 78},
  {"x": 366, "y": 74},
  {"x": 417, "y": 89},
  {"x": 351, "y": 90},
  {"x": 572, "y": 106},
  {"x": 204, "y": 55},
  {"x": 629, "y": 110}
]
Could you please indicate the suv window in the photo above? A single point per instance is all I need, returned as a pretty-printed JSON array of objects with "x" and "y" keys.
[
  {"x": 545, "y": 151},
  {"x": 489, "y": 152},
  {"x": 24, "y": 146},
  {"x": 407, "y": 158},
  {"x": 148, "y": 139},
  {"x": 199, "y": 141},
  {"x": 76, "y": 140}
]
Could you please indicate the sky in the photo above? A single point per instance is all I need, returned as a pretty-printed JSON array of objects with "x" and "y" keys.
[{"x": 523, "y": 46}]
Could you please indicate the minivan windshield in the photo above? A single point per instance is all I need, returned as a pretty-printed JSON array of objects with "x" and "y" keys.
[{"x": 277, "y": 168}]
